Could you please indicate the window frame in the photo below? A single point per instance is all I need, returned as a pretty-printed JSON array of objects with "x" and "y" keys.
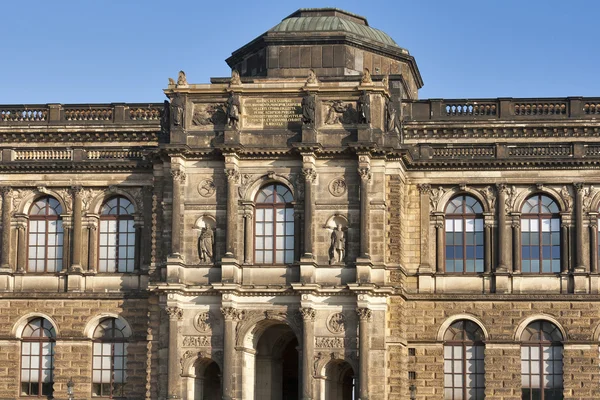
[
  {"x": 118, "y": 218},
  {"x": 464, "y": 343},
  {"x": 40, "y": 340},
  {"x": 59, "y": 234},
  {"x": 540, "y": 344},
  {"x": 539, "y": 217},
  {"x": 112, "y": 341},
  {"x": 274, "y": 206},
  {"x": 464, "y": 216}
]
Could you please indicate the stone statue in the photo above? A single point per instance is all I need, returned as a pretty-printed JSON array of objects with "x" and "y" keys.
[
  {"x": 165, "y": 117},
  {"x": 335, "y": 113},
  {"x": 205, "y": 244},
  {"x": 366, "y": 78},
  {"x": 338, "y": 245},
  {"x": 181, "y": 79},
  {"x": 233, "y": 111},
  {"x": 308, "y": 109},
  {"x": 177, "y": 109},
  {"x": 364, "y": 108},
  {"x": 171, "y": 82},
  {"x": 235, "y": 78},
  {"x": 390, "y": 114}
]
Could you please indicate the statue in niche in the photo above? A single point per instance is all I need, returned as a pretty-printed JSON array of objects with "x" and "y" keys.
[
  {"x": 233, "y": 111},
  {"x": 177, "y": 109},
  {"x": 235, "y": 78},
  {"x": 206, "y": 242},
  {"x": 308, "y": 109},
  {"x": 337, "y": 250},
  {"x": 364, "y": 108},
  {"x": 391, "y": 117}
]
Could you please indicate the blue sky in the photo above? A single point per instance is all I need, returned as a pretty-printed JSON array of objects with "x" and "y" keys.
[{"x": 77, "y": 51}]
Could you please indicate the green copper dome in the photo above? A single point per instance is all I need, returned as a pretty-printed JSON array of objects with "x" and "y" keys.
[{"x": 331, "y": 20}]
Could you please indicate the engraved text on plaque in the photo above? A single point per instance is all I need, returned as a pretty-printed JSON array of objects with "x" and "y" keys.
[{"x": 272, "y": 113}]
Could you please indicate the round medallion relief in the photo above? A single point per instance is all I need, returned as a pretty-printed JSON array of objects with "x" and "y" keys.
[
  {"x": 337, "y": 187},
  {"x": 336, "y": 323},
  {"x": 206, "y": 188},
  {"x": 202, "y": 321}
]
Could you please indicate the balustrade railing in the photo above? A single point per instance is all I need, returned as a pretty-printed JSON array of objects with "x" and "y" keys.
[
  {"x": 80, "y": 114},
  {"x": 114, "y": 155},
  {"x": 42, "y": 155}
]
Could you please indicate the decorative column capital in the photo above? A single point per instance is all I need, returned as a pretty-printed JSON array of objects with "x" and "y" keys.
[
  {"x": 365, "y": 173},
  {"x": 424, "y": 188},
  {"x": 308, "y": 314},
  {"x": 178, "y": 176},
  {"x": 231, "y": 314},
  {"x": 233, "y": 175},
  {"x": 175, "y": 313},
  {"x": 310, "y": 175},
  {"x": 77, "y": 191},
  {"x": 364, "y": 314},
  {"x": 6, "y": 191}
]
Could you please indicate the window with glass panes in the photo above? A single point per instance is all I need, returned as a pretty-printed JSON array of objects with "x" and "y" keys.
[
  {"x": 37, "y": 358},
  {"x": 45, "y": 241},
  {"x": 109, "y": 361},
  {"x": 117, "y": 236},
  {"x": 464, "y": 373},
  {"x": 274, "y": 226},
  {"x": 542, "y": 362},
  {"x": 540, "y": 235},
  {"x": 464, "y": 235}
]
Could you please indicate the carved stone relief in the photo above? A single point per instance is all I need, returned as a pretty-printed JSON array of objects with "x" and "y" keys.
[
  {"x": 196, "y": 341},
  {"x": 338, "y": 187},
  {"x": 334, "y": 342},
  {"x": 565, "y": 194},
  {"x": 209, "y": 114},
  {"x": 339, "y": 113},
  {"x": 204, "y": 321},
  {"x": 336, "y": 323},
  {"x": 435, "y": 196},
  {"x": 206, "y": 188}
]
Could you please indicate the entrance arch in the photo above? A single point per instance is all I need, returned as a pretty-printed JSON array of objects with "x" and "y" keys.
[
  {"x": 275, "y": 363},
  {"x": 205, "y": 382},
  {"x": 339, "y": 381}
]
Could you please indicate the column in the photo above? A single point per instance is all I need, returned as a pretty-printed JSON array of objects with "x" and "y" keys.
[
  {"x": 178, "y": 181},
  {"x": 580, "y": 192},
  {"x": 364, "y": 170},
  {"x": 77, "y": 229},
  {"x": 145, "y": 247},
  {"x": 248, "y": 239},
  {"x": 310, "y": 176},
  {"x": 230, "y": 316},
  {"x": 439, "y": 245},
  {"x": 564, "y": 245},
  {"x": 308, "y": 343},
  {"x": 6, "y": 217},
  {"x": 233, "y": 176},
  {"x": 424, "y": 191},
  {"x": 93, "y": 249},
  {"x": 500, "y": 206},
  {"x": 593, "y": 243},
  {"x": 516, "y": 235},
  {"x": 487, "y": 249},
  {"x": 175, "y": 315},
  {"x": 21, "y": 246},
  {"x": 364, "y": 316}
]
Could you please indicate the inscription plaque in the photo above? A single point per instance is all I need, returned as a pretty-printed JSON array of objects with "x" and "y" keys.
[{"x": 272, "y": 113}]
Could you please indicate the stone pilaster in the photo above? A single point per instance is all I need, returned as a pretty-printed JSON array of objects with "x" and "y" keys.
[
  {"x": 230, "y": 316},
  {"x": 487, "y": 237},
  {"x": 310, "y": 176},
  {"x": 502, "y": 238},
  {"x": 248, "y": 234},
  {"x": 308, "y": 343},
  {"x": 424, "y": 191},
  {"x": 364, "y": 317},
  {"x": 233, "y": 177},
  {"x": 175, "y": 315},
  {"x": 22, "y": 247},
  {"x": 580, "y": 263},
  {"x": 516, "y": 237},
  {"x": 565, "y": 228},
  {"x": 7, "y": 196},
  {"x": 438, "y": 220},
  {"x": 77, "y": 230},
  {"x": 364, "y": 171},
  {"x": 93, "y": 244},
  {"x": 593, "y": 227},
  {"x": 178, "y": 182}
]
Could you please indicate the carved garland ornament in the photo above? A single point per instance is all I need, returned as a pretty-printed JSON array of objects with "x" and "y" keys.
[{"x": 337, "y": 187}]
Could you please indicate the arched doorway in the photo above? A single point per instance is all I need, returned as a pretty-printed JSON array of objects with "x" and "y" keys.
[
  {"x": 277, "y": 375},
  {"x": 339, "y": 381},
  {"x": 207, "y": 381}
]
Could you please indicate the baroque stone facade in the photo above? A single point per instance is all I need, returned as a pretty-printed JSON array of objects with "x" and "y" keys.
[{"x": 306, "y": 229}]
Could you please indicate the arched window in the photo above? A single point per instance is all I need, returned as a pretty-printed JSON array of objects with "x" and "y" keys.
[
  {"x": 274, "y": 226},
  {"x": 45, "y": 236},
  {"x": 540, "y": 235},
  {"x": 464, "y": 374},
  {"x": 37, "y": 358},
  {"x": 117, "y": 236},
  {"x": 542, "y": 361},
  {"x": 109, "y": 358},
  {"x": 464, "y": 235}
]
